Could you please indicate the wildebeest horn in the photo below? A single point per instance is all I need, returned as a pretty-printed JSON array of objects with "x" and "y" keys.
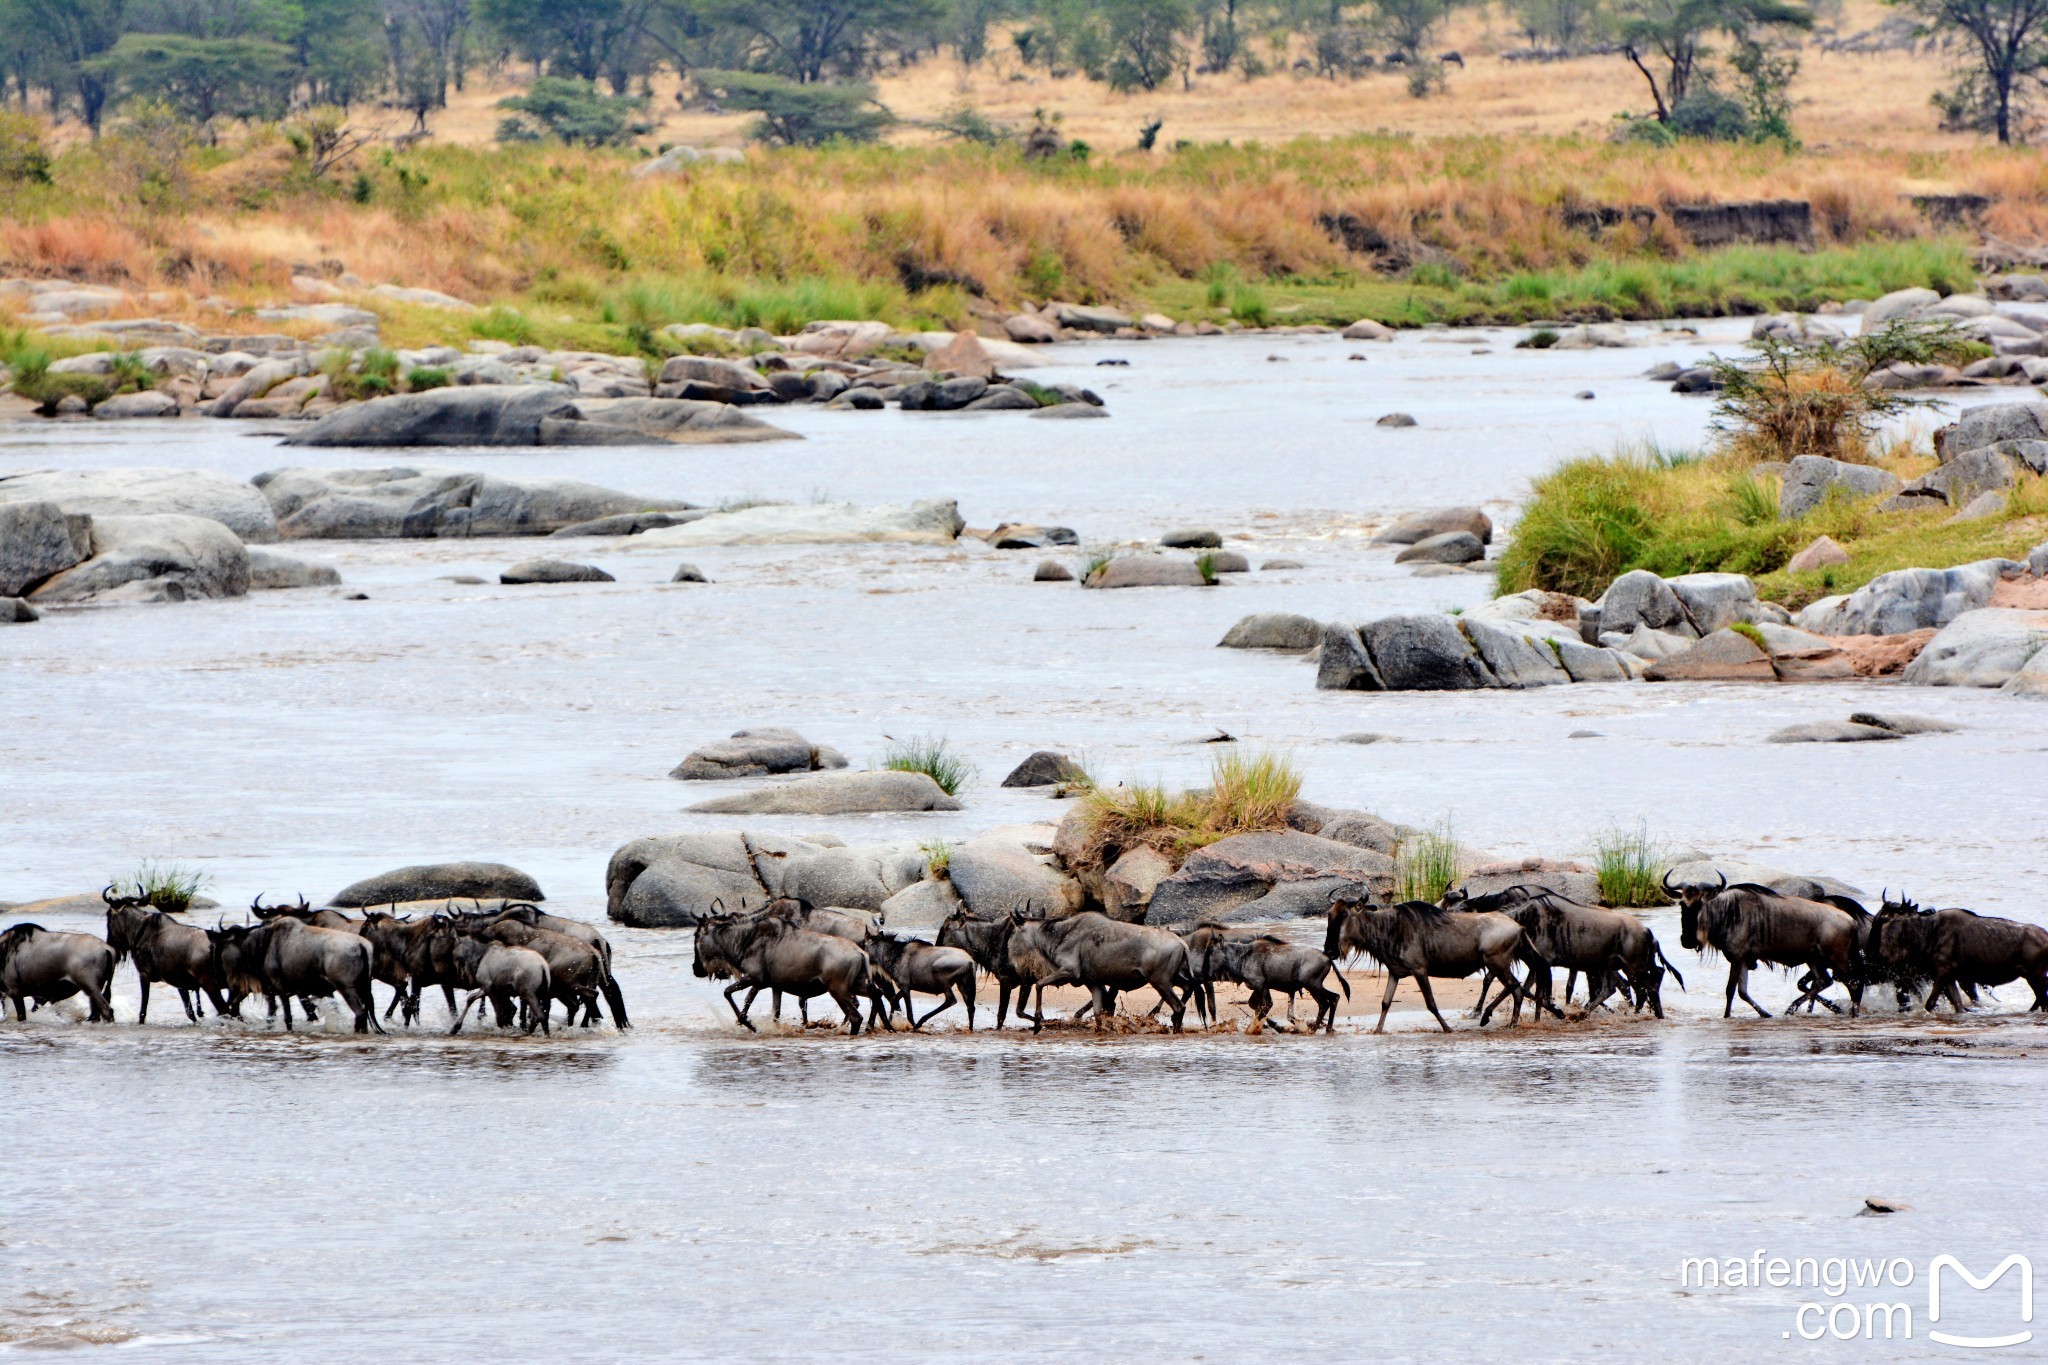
[
  {"x": 107, "y": 895},
  {"x": 1665, "y": 882},
  {"x": 1724, "y": 879},
  {"x": 302, "y": 901}
]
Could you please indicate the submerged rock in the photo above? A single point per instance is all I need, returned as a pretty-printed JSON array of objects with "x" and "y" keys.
[
  {"x": 1830, "y": 732},
  {"x": 756, "y": 752},
  {"x": 269, "y": 570},
  {"x": 554, "y": 571},
  {"x": 440, "y": 881},
  {"x": 932, "y": 522},
  {"x": 837, "y": 794},
  {"x": 406, "y": 503},
  {"x": 1274, "y": 630}
]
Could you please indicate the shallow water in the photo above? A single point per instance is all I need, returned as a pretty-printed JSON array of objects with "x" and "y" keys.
[{"x": 687, "y": 1191}]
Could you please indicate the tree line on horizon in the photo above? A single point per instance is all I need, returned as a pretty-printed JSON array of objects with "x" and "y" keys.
[{"x": 1712, "y": 68}]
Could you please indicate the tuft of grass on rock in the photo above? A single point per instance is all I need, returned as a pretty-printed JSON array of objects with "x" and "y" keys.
[
  {"x": 1427, "y": 865},
  {"x": 1246, "y": 793},
  {"x": 938, "y": 857},
  {"x": 421, "y": 378},
  {"x": 1629, "y": 868},
  {"x": 1749, "y": 632},
  {"x": 170, "y": 887},
  {"x": 935, "y": 757}
]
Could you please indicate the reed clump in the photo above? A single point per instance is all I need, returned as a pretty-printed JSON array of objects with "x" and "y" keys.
[{"x": 1247, "y": 792}]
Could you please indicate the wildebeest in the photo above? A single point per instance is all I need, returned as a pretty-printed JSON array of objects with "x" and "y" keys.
[
  {"x": 1268, "y": 964},
  {"x": 614, "y": 998},
  {"x": 504, "y": 974},
  {"x": 1206, "y": 965},
  {"x": 1011, "y": 949},
  {"x": 927, "y": 968},
  {"x": 49, "y": 965},
  {"x": 405, "y": 959},
  {"x": 576, "y": 972},
  {"x": 799, "y": 913},
  {"x": 178, "y": 955},
  {"x": 284, "y": 957},
  {"x": 1422, "y": 940},
  {"x": 1954, "y": 948},
  {"x": 1610, "y": 946},
  {"x": 1108, "y": 955},
  {"x": 1750, "y": 924},
  {"x": 760, "y": 953}
]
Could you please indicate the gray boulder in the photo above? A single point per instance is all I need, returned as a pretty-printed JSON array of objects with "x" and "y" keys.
[
  {"x": 269, "y": 569},
  {"x": 678, "y": 880},
  {"x": 15, "y": 612},
  {"x": 37, "y": 540},
  {"x": 1907, "y": 599},
  {"x": 554, "y": 571},
  {"x": 1829, "y": 732},
  {"x": 1451, "y": 547},
  {"x": 482, "y": 415},
  {"x": 678, "y": 421},
  {"x": 709, "y": 370},
  {"x": 1983, "y": 648},
  {"x": 1900, "y": 303},
  {"x": 147, "y": 492},
  {"x": 1146, "y": 571},
  {"x": 1573, "y": 881},
  {"x": 1645, "y": 643},
  {"x": 756, "y": 752},
  {"x": 1423, "y": 652},
  {"x": 1967, "y": 475},
  {"x": 1813, "y": 477},
  {"x": 1396, "y": 419},
  {"x": 1274, "y": 630},
  {"x": 925, "y": 905},
  {"x": 1513, "y": 658},
  {"x": 1129, "y": 883},
  {"x": 1052, "y": 571},
  {"x": 1081, "y": 318},
  {"x": 1004, "y": 398},
  {"x": 625, "y": 524},
  {"x": 1060, "y": 412},
  {"x": 1192, "y": 538},
  {"x": 1045, "y": 769},
  {"x": 1230, "y": 878},
  {"x": 1004, "y": 870},
  {"x": 1228, "y": 561},
  {"x": 440, "y": 881},
  {"x": 1723, "y": 656},
  {"x": 849, "y": 878},
  {"x": 1344, "y": 665},
  {"x": 933, "y": 521},
  {"x": 1585, "y": 663},
  {"x": 2017, "y": 430},
  {"x": 404, "y": 503},
  {"x": 837, "y": 794},
  {"x": 1360, "y": 829},
  {"x": 147, "y": 403},
  {"x": 1714, "y": 600},
  {"x": 688, "y": 573},
  {"x": 1902, "y": 724},
  {"x": 154, "y": 559},
  {"x": 2032, "y": 678},
  {"x": 1640, "y": 597}
]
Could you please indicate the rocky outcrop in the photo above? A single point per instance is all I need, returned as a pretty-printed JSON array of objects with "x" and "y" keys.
[
  {"x": 1012, "y": 869},
  {"x": 440, "y": 881},
  {"x": 1512, "y": 658},
  {"x": 1045, "y": 768},
  {"x": 1282, "y": 874},
  {"x": 1573, "y": 881},
  {"x": 1436, "y": 522},
  {"x": 1812, "y": 478},
  {"x": 678, "y": 421},
  {"x": 1451, "y": 547},
  {"x": 1983, "y": 648},
  {"x": 1274, "y": 630},
  {"x": 1360, "y": 829},
  {"x": 932, "y": 522},
  {"x": 1146, "y": 571},
  {"x": 675, "y": 881},
  {"x": 38, "y": 540},
  {"x": 837, "y": 794},
  {"x": 1504, "y": 648},
  {"x": 154, "y": 559},
  {"x": 1722, "y": 656},
  {"x": 757, "y": 752},
  {"x": 147, "y": 492},
  {"x": 1129, "y": 883},
  {"x": 405, "y": 503},
  {"x": 1423, "y": 652},
  {"x": 458, "y": 416},
  {"x": 270, "y": 570},
  {"x": 1908, "y": 599}
]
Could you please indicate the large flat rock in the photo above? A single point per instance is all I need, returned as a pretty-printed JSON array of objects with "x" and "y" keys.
[
  {"x": 440, "y": 881},
  {"x": 142, "y": 492},
  {"x": 836, "y": 794},
  {"x": 935, "y": 521},
  {"x": 1984, "y": 648},
  {"x": 408, "y": 503},
  {"x": 168, "y": 558}
]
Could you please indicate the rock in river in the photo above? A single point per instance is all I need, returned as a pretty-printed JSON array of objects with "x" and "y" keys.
[
  {"x": 1437, "y": 522},
  {"x": 1450, "y": 547},
  {"x": 148, "y": 492},
  {"x": 837, "y": 794},
  {"x": 154, "y": 559},
  {"x": 554, "y": 571},
  {"x": 38, "y": 539},
  {"x": 1274, "y": 630},
  {"x": 1146, "y": 571},
  {"x": 935, "y": 521},
  {"x": 1723, "y": 656},
  {"x": 402, "y": 503},
  {"x": 1045, "y": 768},
  {"x": 1276, "y": 875},
  {"x": 440, "y": 881},
  {"x": 757, "y": 752},
  {"x": 1985, "y": 648}
]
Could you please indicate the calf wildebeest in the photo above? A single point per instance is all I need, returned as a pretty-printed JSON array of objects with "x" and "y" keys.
[
  {"x": 1954, "y": 948},
  {"x": 179, "y": 955},
  {"x": 50, "y": 966},
  {"x": 1268, "y": 964},
  {"x": 768, "y": 952},
  {"x": 1206, "y": 965},
  {"x": 504, "y": 974},
  {"x": 1107, "y": 955},
  {"x": 1749, "y": 924},
  {"x": 914, "y": 965},
  {"x": 1011, "y": 949},
  {"x": 614, "y": 998},
  {"x": 575, "y": 970},
  {"x": 1610, "y": 946},
  {"x": 1422, "y": 940},
  {"x": 284, "y": 957}
]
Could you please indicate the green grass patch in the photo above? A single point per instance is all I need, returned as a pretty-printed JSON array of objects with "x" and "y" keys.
[
  {"x": 1427, "y": 865},
  {"x": 1629, "y": 868},
  {"x": 933, "y": 756},
  {"x": 170, "y": 887}
]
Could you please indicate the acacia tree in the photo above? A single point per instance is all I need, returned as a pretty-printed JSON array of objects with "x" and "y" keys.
[
  {"x": 1676, "y": 33},
  {"x": 1146, "y": 41},
  {"x": 2009, "y": 40},
  {"x": 77, "y": 33},
  {"x": 587, "y": 39},
  {"x": 814, "y": 40}
]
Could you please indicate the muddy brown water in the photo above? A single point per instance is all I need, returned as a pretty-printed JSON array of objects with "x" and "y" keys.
[{"x": 687, "y": 1191}]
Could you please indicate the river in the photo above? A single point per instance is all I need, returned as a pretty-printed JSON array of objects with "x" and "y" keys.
[{"x": 689, "y": 1192}]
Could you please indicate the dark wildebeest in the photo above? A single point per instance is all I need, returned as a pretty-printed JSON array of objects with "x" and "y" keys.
[
  {"x": 284, "y": 957},
  {"x": 1422, "y": 940},
  {"x": 914, "y": 965},
  {"x": 1954, "y": 948},
  {"x": 1611, "y": 947},
  {"x": 50, "y": 966},
  {"x": 1750, "y": 924},
  {"x": 179, "y": 955},
  {"x": 326, "y": 917},
  {"x": 763, "y": 953},
  {"x": 503, "y": 974},
  {"x": 1268, "y": 964},
  {"x": 1456, "y": 59},
  {"x": 575, "y": 970},
  {"x": 1011, "y": 949},
  {"x": 1107, "y": 955},
  {"x": 405, "y": 959},
  {"x": 799, "y": 913},
  {"x": 1205, "y": 939},
  {"x": 614, "y": 998}
]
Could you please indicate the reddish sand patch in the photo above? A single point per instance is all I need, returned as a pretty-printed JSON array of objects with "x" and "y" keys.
[
  {"x": 1882, "y": 656},
  {"x": 2026, "y": 592}
]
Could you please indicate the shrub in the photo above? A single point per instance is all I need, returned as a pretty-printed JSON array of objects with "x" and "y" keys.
[
  {"x": 421, "y": 378},
  {"x": 934, "y": 757},
  {"x": 24, "y": 160},
  {"x": 1710, "y": 116},
  {"x": 1246, "y": 793},
  {"x": 1427, "y": 865},
  {"x": 1248, "y": 306},
  {"x": 30, "y": 378},
  {"x": 938, "y": 857},
  {"x": 1205, "y": 565},
  {"x": 1628, "y": 868},
  {"x": 575, "y": 112},
  {"x": 1251, "y": 792},
  {"x": 1589, "y": 521},
  {"x": 800, "y": 115},
  {"x": 1748, "y": 631},
  {"x": 1542, "y": 339},
  {"x": 170, "y": 887}
]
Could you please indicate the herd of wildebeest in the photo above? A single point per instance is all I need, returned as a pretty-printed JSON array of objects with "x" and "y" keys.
[{"x": 522, "y": 961}]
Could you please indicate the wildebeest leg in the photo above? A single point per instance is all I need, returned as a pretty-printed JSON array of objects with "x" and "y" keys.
[
  {"x": 1479, "y": 1010},
  {"x": 849, "y": 1005},
  {"x": 20, "y": 1009},
  {"x": 739, "y": 1013},
  {"x": 1815, "y": 981},
  {"x": 1102, "y": 1006},
  {"x": 287, "y": 1013},
  {"x": 142, "y": 1015},
  {"x": 1326, "y": 1009},
  {"x": 1741, "y": 981},
  {"x": 948, "y": 1003},
  {"x": 1003, "y": 1002},
  {"x": 474, "y": 997},
  {"x": 1387, "y": 1000},
  {"x": 448, "y": 993},
  {"x": 1429, "y": 999},
  {"x": 1262, "y": 1005},
  {"x": 967, "y": 994},
  {"x": 185, "y": 999},
  {"x": 538, "y": 1006},
  {"x": 1172, "y": 997},
  {"x": 397, "y": 999},
  {"x": 1571, "y": 981}
]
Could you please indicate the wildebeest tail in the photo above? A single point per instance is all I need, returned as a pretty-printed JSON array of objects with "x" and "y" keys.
[
  {"x": 615, "y": 1001},
  {"x": 1669, "y": 968},
  {"x": 1342, "y": 984}
]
